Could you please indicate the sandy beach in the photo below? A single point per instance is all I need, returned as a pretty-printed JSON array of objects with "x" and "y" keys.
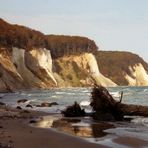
[{"x": 16, "y": 133}]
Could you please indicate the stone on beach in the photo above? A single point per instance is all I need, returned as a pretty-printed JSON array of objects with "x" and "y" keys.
[
  {"x": 22, "y": 101},
  {"x": 47, "y": 104},
  {"x": 28, "y": 105},
  {"x": 1, "y": 103}
]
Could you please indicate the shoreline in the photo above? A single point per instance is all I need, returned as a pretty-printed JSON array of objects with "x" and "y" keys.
[{"x": 16, "y": 133}]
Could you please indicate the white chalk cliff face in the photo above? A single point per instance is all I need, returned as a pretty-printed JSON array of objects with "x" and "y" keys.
[
  {"x": 18, "y": 58},
  {"x": 39, "y": 61},
  {"x": 95, "y": 73},
  {"x": 10, "y": 79},
  {"x": 140, "y": 76},
  {"x": 21, "y": 69},
  {"x": 82, "y": 69}
]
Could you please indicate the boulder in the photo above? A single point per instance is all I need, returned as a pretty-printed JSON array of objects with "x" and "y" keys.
[
  {"x": 2, "y": 104},
  {"x": 47, "y": 104},
  {"x": 18, "y": 107},
  {"x": 22, "y": 101},
  {"x": 54, "y": 103},
  {"x": 28, "y": 105}
]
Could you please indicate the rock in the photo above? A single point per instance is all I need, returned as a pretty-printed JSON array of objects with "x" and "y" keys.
[
  {"x": 10, "y": 141},
  {"x": 38, "y": 105},
  {"x": 1, "y": 103},
  {"x": 46, "y": 104},
  {"x": 74, "y": 111},
  {"x": 25, "y": 111},
  {"x": 22, "y": 101},
  {"x": 28, "y": 105},
  {"x": 54, "y": 103},
  {"x": 33, "y": 121},
  {"x": 18, "y": 107}
]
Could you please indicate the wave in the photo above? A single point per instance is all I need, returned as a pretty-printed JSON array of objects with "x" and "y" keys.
[
  {"x": 141, "y": 121},
  {"x": 115, "y": 94},
  {"x": 84, "y": 103}
]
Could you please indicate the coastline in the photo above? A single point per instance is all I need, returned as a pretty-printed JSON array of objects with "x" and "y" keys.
[{"x": 15, "y": 132}]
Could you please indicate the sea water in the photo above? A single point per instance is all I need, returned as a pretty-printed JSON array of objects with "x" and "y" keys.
[{"x": 98, "y": 132}]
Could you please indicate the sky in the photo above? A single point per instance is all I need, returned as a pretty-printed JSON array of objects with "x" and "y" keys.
[{"x": 112, "y": 24}]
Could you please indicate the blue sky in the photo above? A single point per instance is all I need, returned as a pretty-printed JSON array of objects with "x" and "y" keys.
[{"x": 112, "y": 24}]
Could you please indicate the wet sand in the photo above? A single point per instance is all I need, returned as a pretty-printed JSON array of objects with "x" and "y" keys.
[
  {"x": 131, "y": 142},
  {"x": 16, "y": 133}
]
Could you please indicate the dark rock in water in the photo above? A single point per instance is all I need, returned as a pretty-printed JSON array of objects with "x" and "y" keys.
[
  {"x": 46, "y": 104},
  {"x": 74, "y": 111},
  {"x": 54, "y": 103},
  {"x": 38, "y": 105},
  {"x": 1, "y": 103},
  {"x": 28, "y": 105},
  {"x": 26, "y": 111},
  {"x": 18, "y": 107},
  {"x": 22, "y": 101},
  {"x": 33, "y": 121}
]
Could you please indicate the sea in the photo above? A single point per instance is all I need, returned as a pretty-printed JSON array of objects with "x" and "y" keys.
[{"x": 105, "y": 133}]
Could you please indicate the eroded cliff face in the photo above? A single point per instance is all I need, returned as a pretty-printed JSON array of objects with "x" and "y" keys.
[
  {"x": 139, "y": 76},
  {"x": 21, "y": 69},
  {"x": 81, "y": 70},
  {"x": 39, "y": 62},
  {"x": 26, "y": 69},
  {"x": 35, "y": 68},
  {"x": 10, "y": 79}
]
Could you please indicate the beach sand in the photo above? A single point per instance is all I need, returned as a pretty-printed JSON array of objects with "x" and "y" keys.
[{"x": 15, "y": 132}]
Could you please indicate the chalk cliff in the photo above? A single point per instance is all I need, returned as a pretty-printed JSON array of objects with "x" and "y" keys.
[
  {"x": 21, "y": 69},
  {"x": 80, "y": 70},
  {"x": 29, "y": 59},
  {"x": 124, "y": 68},
  {"x": 140, "y": 76}
]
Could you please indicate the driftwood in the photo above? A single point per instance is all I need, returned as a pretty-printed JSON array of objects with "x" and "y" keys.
[
  {"x": 107, "y": 109},
  {"x": 74, "y": 111}
]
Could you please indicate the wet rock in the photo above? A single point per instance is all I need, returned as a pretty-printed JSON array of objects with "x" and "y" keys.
[
  {"x": 74, "y": 111},
  {"x": 33, "y": 121},
  {"x": 28, "y": 105},
  {"x": 26, "y": 111},
  {"x": 54, "y": 103},
  {"x": 18, "y": 107},
  {"x": 46, "y": 104},
  {"x": 2, "y": 104},
  {"x": 38, "y": 105},
  {"x": 22, "y": 101}
]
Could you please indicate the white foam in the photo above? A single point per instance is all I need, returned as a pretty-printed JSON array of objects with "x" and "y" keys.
[{"x": 84, "y": 103}]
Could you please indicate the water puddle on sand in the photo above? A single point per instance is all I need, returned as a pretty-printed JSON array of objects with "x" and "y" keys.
[
  {"x": 116, "y": 134},
  {"x": 83, "y": 127}
]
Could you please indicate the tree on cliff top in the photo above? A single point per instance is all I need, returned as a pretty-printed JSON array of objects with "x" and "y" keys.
[{"x": 59, "y": 45}]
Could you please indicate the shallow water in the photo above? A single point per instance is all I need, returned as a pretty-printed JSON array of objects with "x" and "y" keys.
[{"x": 98, "y": 132}]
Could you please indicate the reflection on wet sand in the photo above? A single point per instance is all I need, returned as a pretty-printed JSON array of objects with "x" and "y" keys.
[{"x": 75, "y": 126}]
